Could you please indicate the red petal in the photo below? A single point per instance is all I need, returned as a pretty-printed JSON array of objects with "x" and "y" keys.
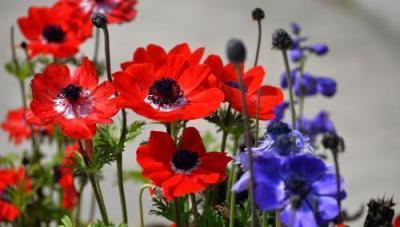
[
  {"x": 192, "y": 77},
  {"x": 85, "y": 75},
  {"x": 76, "y": 129},
  {"x": 191, "y": 140},
  {"x": 161, "y": 146},
  {"x": 253, "y": 79}
]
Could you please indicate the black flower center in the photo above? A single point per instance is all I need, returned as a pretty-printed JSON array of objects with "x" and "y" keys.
[
  {"x": 297, "y": 185},
  {"x": 165, "y": 92},
  {"x": 71, "y": 92},
  {"x": 286, "y": 143},
  {"x": 53, "y": 34},
  {"x": 185, "y": 160},
  {"x": 278, "y": 128}
]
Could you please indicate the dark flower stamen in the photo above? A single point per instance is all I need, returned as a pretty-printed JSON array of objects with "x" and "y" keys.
[
  {"x": 71, "y": 92},
  {"x": 165, "y": 92},
  {"x": 276, "y": 128},
  {"x": 297, "y": 185},
  {"x": 185, "y": 160},
  {"x": 53, "y": 34}
]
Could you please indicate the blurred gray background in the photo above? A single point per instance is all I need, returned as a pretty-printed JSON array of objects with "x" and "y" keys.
[{"x": 364, "y": 38}]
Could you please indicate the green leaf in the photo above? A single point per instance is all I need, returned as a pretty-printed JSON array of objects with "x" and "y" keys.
[
  {"x": 134, "y": 130},
  {"x": 24, "y": 69},
  {"x": 66, "y": 222}
]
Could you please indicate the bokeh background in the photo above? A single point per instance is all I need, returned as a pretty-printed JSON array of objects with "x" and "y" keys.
[{"x": 364, "y": 38}]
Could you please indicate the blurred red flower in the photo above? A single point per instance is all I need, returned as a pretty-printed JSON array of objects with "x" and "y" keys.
[
  {"x": 70, "y": 196},
  {"x": 57, "y": 30},
  {"x": 117, "y": 11},
  {"x": 166, "y": 86},
  {"x": 18, "y": 127},
  {"x": 225, "y": 78},
  {"x": 75, "y": 102},
  {"x": 187, "y": 168},
  {"x": 12, "y": 179}
]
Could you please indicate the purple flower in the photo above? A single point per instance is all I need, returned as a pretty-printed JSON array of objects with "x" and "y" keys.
[
  {"x": 326, "y": 86},
  {"x": 296, "y": 54},
  {"x": 295, "y": 28},
  {"x": 319, "y": 49},
  {"x": 303, "y": 188},
  {"x": 280, "y": 141},
  {"x": 294, "y": 74},
  {"x": 305, "y": 85},
  {"x": 320, "y": 124},
  {"x": 280, "y": 111}
]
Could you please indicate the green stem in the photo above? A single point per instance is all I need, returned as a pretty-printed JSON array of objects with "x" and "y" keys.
[
  {"x": 35, "y": 147},
  {"x": 121, "y": 187},
  {"x": 78, "y": 208},
  {"x": 239, "y": 76},
  {"x": 123, "y": 128},
  {"x": 195, "y": 211},
  {"x": 96, "y": 45},
  {"x": 92, "y": 207},
  {"x": 232, "y": 200},
  {"x": 259, "y": 90},
  {"x": 175, "y": 207},
  {"x": 290, "y": 88},
  {"x": 264, "y": 219},
  {"x": 99, "y": 197},
  {"x": 231, "y": 181},
  {"x": 145, "y": 186},
  {"x": 301, "y": 102}
]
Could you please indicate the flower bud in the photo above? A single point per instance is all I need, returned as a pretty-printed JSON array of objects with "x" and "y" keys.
[
  {"x": 380, "y": 212},
  {"x": 24, "y": 45},
  {"x": 333, "y": 142},
  {"x": 281, "y": 40},
  {"x": 99, "y": 20},
  {"x": 258, "y": 14},
  {"x": 236, "y": 51}
]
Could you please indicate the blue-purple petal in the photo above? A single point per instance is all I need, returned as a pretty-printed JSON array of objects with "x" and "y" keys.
[
  {"x": 307, "y": 165},
  {"x": 326, "y": 86},
  {"x": 319, "y": 49}
]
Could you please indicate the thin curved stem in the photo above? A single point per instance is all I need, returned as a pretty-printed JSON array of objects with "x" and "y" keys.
[
  {"x": 255, "y": 64},
  {"x": 145, "y": 186},
  {"x": 123, "y": 131},
  {"x": 232, "y": 200},
  {"x": 78, "y": 208},
  {"x": 99, "y": 198},
  {"x": 239, "y": 76},
  {"x": 290, "y": 88}
]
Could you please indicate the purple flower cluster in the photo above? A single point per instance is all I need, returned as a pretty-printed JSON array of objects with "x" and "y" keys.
[
  {"x": 306, "y": 84},
  {"x": 291, "y": 178}
]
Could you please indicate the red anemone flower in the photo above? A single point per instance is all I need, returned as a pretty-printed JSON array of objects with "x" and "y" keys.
[
  {"x": 56, "y": 31},
  {"x": 117, "y": 11},
  {"x": 12, "y": 179},
  {"x": 167, "y": 86},
  {"x": 187, "y": 168},
  {"x": 75, "y": 102},
  {"x": 226, "y": 78},
  {"x": 70, "y": 196},
  {"x": 18, "y": 127}
]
